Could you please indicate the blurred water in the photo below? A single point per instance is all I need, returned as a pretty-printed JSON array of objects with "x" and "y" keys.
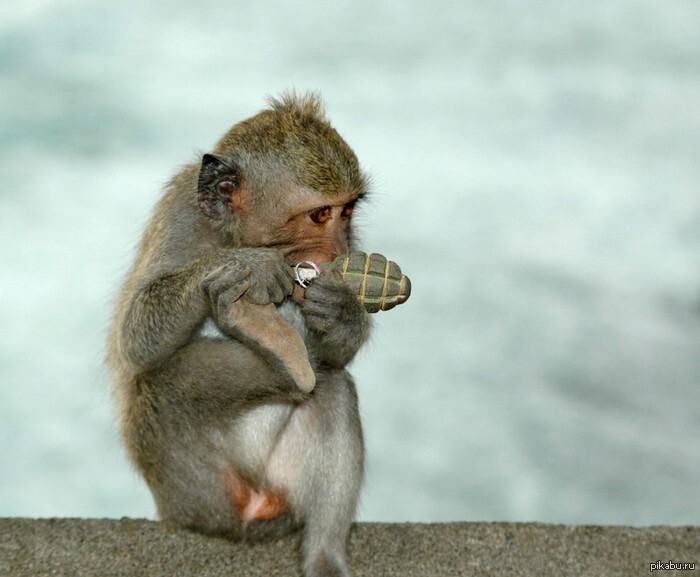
[{"x": 536, "y": 168}]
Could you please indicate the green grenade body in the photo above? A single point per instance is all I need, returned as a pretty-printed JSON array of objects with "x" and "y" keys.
[{"x": 378, "y": 282}]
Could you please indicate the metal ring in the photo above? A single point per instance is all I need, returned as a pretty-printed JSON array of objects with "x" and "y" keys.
[{"x": 304, "y": 274}]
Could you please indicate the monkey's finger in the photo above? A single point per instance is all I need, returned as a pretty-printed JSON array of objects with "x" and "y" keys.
[
  {"x": 284, "y": 283},
  {"x": 235, "y": 271},
  {"x": 320, "y": 323},
  {"x": 229, "y": 296},
  {"x": 230, "y": 276},
  {"x": 316, "y": 303},
  {"x": 329, "y": 278},
  {"x": 319, "y": 299},
  {"x": 329, "y": 290},
  {"x": 259, "y": 293},
  {"x": 285, "y": 276},
  {"x": 287, "y": 286},
  {"x": 216, "y": 286},
  {"x": 224, "y": 286},
  {"x": 277, "y": 293},
  {"x": 224, "y": 275},
  {"x": 321, "y": 309}
]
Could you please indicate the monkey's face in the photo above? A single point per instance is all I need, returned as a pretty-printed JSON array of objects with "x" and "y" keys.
[
  {"x": 313, "y": 226},
  {"x": 303, "y": 223}
]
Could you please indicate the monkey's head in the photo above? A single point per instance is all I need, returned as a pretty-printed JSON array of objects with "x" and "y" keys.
[{"x": 285, "y": 179}]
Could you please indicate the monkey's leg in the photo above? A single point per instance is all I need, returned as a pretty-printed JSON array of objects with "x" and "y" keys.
[
  {"x": 326, "y": 491},
  {"x": 261, "y": 327},
  {"x": 197, "y": 487},
  {"x": 181, "y": 428}
]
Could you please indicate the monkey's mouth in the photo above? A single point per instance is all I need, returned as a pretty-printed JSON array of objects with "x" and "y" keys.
[{"x": 315, "y": 257}]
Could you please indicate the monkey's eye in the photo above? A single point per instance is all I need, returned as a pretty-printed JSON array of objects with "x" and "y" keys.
[
  {"x": 320, "y": 215},
  {"x": 347, "y": 210}
]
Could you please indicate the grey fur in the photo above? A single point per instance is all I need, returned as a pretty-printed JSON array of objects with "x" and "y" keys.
[{"x": 194, "y": 402}]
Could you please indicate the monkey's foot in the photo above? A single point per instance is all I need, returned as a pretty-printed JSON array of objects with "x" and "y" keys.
[{"x": 268, "y": 332}]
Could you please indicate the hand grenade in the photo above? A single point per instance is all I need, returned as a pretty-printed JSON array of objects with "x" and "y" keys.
[{"x": 378, "y": 282}]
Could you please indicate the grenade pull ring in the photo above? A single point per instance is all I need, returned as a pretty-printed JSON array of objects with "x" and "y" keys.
[{"x": 305, "y": 271}]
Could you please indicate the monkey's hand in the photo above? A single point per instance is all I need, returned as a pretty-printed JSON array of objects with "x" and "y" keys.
[
  {"x": 258, "y": 273},
  {"x": 338, "y": 323}
]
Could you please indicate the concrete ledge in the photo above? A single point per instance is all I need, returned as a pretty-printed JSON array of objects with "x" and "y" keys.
[{"x": 133, "y": 547}]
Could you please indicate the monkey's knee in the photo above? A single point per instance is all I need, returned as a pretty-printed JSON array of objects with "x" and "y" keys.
[{"x": 192, "y": 496}]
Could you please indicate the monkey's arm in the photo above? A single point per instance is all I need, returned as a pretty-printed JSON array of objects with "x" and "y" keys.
[
  {"x": 161, "y": 316},
  {"x": 338, "y": 323},
  {"x": 165, "y": 314}
]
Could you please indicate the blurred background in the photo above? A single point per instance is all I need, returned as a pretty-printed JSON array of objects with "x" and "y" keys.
[{"x": 536, "y": 172}]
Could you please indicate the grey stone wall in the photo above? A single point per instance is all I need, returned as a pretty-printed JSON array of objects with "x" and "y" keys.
[{"x": 133, "y": 547}]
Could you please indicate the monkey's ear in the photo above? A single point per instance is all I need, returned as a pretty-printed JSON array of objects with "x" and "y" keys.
[{"x": 219, "y": 186}]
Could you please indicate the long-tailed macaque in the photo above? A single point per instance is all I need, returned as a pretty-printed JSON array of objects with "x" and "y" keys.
[{"x": 227, "y": 441}]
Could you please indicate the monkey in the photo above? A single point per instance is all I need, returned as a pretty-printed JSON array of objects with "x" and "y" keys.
[{"x": 227, "y": 441}]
